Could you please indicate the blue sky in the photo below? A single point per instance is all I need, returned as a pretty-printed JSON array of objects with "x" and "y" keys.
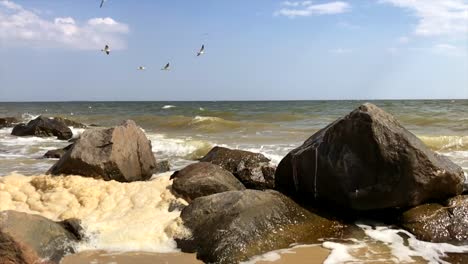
[{"x": 255, "y": 50}]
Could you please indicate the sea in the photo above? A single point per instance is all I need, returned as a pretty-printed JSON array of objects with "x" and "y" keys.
[{"x": 130, "y": 217}]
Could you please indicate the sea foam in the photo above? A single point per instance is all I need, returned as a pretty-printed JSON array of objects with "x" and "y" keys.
[{"x": 116, "y": 216}]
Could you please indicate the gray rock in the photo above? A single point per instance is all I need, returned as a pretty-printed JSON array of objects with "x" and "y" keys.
[
  {"x": 233, "y": 226},
  {"x": 8, "y": 121},
  {"x": 122, "y": 153},
  {"x": 162, "y": 166},
  {"x": 29, "y": 239},
  {"x": 202, "y": 179},
  {"x": 367, "y": 160},
  {"x": 57, "y": 153},
  {"x": 69, "y": 122},
  {"x": 252, "y": 169},
  {"x": 442, "y": 223},
  {"x": 43, "y": 127}
]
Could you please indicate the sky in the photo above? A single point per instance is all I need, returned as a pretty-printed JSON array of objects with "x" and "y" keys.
[{"x": 50, "y": 50}]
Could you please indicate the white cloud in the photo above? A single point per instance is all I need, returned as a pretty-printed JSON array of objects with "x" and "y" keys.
[
  {"x": 20, "y": 26},
  {"x": 340, "y": 51},
  {"x": 448, "y": 49},
  {"x": 308, "y": 8},
  {"x": 437, "y": 17}
]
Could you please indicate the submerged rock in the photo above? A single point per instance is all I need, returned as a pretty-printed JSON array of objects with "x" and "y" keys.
[
  {"x": 57, "y": 153},
  {"x": 8, "y": 121},
  {"x": 43, "y": 127},
  {"x": 439, "y": 222},
  {"x": 122, "y": 153},
  {"x": 233, "y": 226},
  {"x": 202, "y": 179},
  {"x": 162, "y": 166},
  {"x": 69, "y": 122},
  {"x": 252, "y": 169},
  {"x": 367, "y": 160},
  {"x": 30, "y": 239}
]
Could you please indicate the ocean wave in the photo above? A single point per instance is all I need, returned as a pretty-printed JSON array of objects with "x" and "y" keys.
[
  {"x": 116, "y": 216},
  {"x": 446, "y": 143},
  {"x": 168, "y": 107},
  {"x": 186, "y": 148}
]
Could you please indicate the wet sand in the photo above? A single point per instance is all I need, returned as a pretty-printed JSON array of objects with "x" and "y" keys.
[{"x": 305, "y": 255}]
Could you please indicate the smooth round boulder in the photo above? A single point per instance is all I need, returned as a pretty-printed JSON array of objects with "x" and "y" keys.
[
  {"x": 202, "y": 179},
  {"x": 252, "y": 169},
  {"x": 441, "y": 223},
  {"x": 43, "y": 127},
  {"x": 365, "y": 161},
  {"x": 162, "y": 166},
  {"x": 30, "y": 239},
  {"x": 121, "y": 153},
  {"x": 234, "y": 226}
]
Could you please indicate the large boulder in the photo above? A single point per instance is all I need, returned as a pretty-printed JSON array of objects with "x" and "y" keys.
[
  {"x": 31, "y": 239},
  {"x": 121, "y": 153},
  {"x": 202, "y": 179},
  {"x": 69, "y": 122},
  {"x": 233, "y": 226},
  {"x": 43, "y": 127},
  {"x": 367, "y": 160},
  {"x": 447, "y": 222},
  {"x": 252, "y": 169},
  {"x": 57, "y": 153},
  {"x": 8, "y": 121}
]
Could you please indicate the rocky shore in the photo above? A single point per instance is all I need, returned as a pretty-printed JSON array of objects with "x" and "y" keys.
[{"x": 365, "y": 165}]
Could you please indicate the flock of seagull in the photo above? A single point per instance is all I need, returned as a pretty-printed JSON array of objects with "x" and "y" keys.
[{"x": 166, "y": 67}]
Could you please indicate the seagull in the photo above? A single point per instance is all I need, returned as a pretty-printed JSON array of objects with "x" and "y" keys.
[
  {"x": 106, "y": 49},
  {"x": 102, "y": 3},
  {"x": 141, "y": 68},
  {"x": 166, "y": 67},
  {"x": 202, "y": 51}
]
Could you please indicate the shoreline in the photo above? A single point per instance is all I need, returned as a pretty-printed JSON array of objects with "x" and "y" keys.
[{"x": 296, "y": 255}]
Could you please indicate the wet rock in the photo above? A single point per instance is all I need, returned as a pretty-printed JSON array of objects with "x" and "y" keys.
[
  {"x": 435, "y": 222},
  {"x": 8, "y": 122},
  {"x": 56, "y": 153},
  {"x": 162, "y": 166},
  {"x": 30, "y": 239},
  {"x": 202, "y": 179},
  {"x": 69, "y": 122},
  {"x": 43, "y": 127},
  {"x": 252, "y": 169},
  {"x": 233, "y": 226},
  {"x": 367, "y": 160},
  {"x": 75, "y": 228},
  {"x": 121, "y": 153}
]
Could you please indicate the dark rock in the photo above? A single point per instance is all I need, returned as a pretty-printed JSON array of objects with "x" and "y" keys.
[
  {"x": 73, "y": 226},
  {"x": 446, "y": 222},
  {"x": 69, "y": 122},
  {"x": 162, "y": 166},
  {"x": 202, "y": 179},
  {"x": 122, "y": 153},
  {"x": 43, "y": 127},
  {"x": 57, "y": 153},
  {"x": 233, "y": 226},
  {"x": 367, "y": 160},
  {"x": 29, "y": 239},
  {"x": 8, "y": 122},
  {"x": 252, "y": 169}
]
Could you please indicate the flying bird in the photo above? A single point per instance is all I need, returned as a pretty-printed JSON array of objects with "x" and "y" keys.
[
  {"x": 202, "y": 51},
  {"x": 166, "y": 67},
  {"x": 106, "y": 49},
  {"x": 102, "y": 3},
  {"x": 141, "y": 68}
]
